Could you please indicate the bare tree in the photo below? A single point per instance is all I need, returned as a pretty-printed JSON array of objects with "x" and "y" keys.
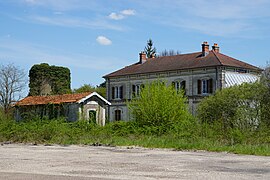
[
  {"x": 12, "y": 83},
  {"x": 169, "y": 53}
]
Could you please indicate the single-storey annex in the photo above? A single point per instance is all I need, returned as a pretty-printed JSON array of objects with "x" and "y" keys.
[{"x": 89, "y": 106}]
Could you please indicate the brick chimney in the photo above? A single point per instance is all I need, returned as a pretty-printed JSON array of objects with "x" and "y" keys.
[
  {"x": 205, "y": 48},
  {"x": 142, "y": 56},
  {"x": 215, "y": 48}
]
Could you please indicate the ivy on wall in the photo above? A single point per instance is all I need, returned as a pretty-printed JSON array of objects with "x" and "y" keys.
[{"x": 55, "y": 79}]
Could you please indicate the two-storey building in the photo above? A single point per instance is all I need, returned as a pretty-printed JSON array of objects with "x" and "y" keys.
[{"x": 199, "y": 74}]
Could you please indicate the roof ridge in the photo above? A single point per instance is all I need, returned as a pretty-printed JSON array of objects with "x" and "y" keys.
[{"x": 216, "y": 57}]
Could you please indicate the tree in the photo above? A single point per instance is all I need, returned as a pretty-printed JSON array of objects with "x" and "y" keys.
[
  {"x": 265, "y": 80},
  {"x": 89, "y": 88},
  {"x": 159, "y": 106},
  {"x": 237, "y": 107},
  {"x": 12, "y": 83},
  {"x": 149, "y": 49},
  {"x": 169, "y": 53}
]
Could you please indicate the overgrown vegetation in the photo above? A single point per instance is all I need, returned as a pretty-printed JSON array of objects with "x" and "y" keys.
[
  {"x": 46, "y": 79},
  {"x": 233, "y": 120},
  {"x": 160, "y": 107}
]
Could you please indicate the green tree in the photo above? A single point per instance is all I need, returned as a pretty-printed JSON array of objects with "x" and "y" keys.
[
  {"x": 159, "y": 106},
  {"x": 265, "y": 80},
  {"x": 89, "y": 88},
  {"x": 149, "y": 49},
  {"x": 237, "y": 107}
]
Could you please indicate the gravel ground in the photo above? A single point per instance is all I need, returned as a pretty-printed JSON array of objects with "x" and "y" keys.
[{"x": 40, "y": 162}]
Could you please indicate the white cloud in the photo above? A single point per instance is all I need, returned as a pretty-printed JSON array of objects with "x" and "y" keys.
[
  {"x": 103, "y": 40},
  {"x": 123, "y": 14},
  {"x": 128, "y": 12},
  {"x": 115, "y": 16}
]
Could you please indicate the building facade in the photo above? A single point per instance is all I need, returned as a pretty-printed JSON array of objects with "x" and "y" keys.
[
  {"x": 86, "y": 106},
  {"x": 199, "y": 74}
]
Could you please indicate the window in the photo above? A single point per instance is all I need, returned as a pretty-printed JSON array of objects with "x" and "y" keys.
[
  {"x": 205, "y": 86},
  {"x": 179, "y": 85},
  {"x": 117, "y": 92},
  {"x": 117, "y": 115},
  {"x": 136, "y": 89}
]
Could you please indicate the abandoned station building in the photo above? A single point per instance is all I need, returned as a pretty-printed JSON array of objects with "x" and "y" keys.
[{"x": 199, "y": 74}]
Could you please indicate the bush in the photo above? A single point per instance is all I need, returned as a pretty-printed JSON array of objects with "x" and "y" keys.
[
  {"x": 235, "y": 111},
  {"x": 160, "y": 107}
]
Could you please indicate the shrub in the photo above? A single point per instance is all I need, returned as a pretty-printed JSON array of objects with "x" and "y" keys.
[
  {"x": 160, "y": 107},
  {"x": 236, "y": 110}
]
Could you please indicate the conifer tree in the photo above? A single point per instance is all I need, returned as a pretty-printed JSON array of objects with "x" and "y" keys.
[{"x": 149, "y": 49}]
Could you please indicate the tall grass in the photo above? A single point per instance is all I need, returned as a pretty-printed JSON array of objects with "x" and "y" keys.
[
  {"x": 184, "y": 136},
  {"x": 197, "y": 137}
]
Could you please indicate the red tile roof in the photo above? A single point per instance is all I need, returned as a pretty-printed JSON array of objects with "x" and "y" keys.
[
  {"x": 52, "y": 99},
  {"x": 181, "y": 62}
]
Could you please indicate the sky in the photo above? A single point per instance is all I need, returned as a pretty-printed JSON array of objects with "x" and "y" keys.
[{"x": 96, "y": 37}]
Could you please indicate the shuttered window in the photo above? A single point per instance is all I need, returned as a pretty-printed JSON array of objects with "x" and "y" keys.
[
  {"x": 117, "y": 92},
  {"x": 205, "y": 86},
  {"x": 117, "y": 115},
  {"x": 136, "y": 89}
]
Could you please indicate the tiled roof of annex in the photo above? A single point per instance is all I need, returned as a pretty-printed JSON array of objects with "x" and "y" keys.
[
  {"x": 181, "y": 62},
  {"x": 51, "y": 99}
]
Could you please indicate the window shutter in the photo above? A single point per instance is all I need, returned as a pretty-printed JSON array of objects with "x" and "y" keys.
[
  {"x": 210, "y": 86},
  {"x": 133, "y": 90},
  {"x": 121, "y": 92},
  {"x": 199, "y": 86},
  {"x": 173, "y": 85},
  {"x": 113, "y": 92},
  {"x": 183, "y": 86}
]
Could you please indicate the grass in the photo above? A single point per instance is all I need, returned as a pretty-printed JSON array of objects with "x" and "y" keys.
[{"x": 126, "y": 134}]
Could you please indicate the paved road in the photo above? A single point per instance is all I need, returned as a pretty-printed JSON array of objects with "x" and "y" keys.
[{"x": 88, "y": 162}]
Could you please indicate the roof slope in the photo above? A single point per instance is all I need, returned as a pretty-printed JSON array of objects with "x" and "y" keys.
[
  {"x": 182, "y": 61},
  {"x": 53, "y": 99}
]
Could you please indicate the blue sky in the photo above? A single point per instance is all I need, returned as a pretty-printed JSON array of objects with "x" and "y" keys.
[{"x": 95, "y": 37}]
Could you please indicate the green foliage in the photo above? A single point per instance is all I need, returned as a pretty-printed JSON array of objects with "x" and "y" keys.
[
  {"x": 55, "y": 76},
  {"x": 149, "y": 49},
  {"x": 159, "y": 107},
  {"x": 235, "y": 113},
  {"x": 89, "y": 88}
]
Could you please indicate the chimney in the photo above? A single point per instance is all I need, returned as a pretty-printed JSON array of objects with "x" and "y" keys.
[
  {"x": 215, "y": 48},
  {"x": 142, "y": 57},
  {"x": 205, "y": 48},
  {"x": 153, "y": 56}
]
